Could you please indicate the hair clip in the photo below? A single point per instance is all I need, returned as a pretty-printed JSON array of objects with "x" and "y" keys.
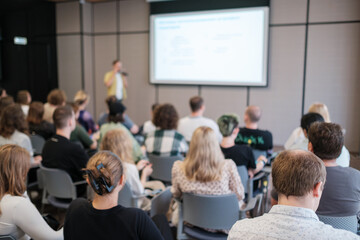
[{"x": 106, "y": 184}]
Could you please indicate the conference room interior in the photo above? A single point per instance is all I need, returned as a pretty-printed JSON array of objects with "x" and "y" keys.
[{"x": 313, "y": 56}]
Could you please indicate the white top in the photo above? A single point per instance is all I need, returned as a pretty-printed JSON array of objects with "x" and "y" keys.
[
  {"x": 119, "y": 86},
  {"x": 20, "y": 219},
  {"x": 20, "y": 139},
  {"x": 148, "y": 127},
  {"x": 25, "y": 109},
  {"x": 133, "y": 179},
  {"x": 343, "y": 160},
  {"x": 287, "y": 222},
  {"x": 188, "y": 125},
  {"x": 296, "y": 136}
]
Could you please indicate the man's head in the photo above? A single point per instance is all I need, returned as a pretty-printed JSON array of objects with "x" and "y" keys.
[
  {"x": 64, "y": 118},
  {"x": 196, "y": 104},
  {"x": 325, "y": 140},
  {"x": 57, "y": 97},
  {"x": 252, "y": 114},
  {"x": 309, "y": 119},
  {"x": 228, "y": 124},
  {"x": 300, "y": 174},
  {"x": 117, "y": 65}
]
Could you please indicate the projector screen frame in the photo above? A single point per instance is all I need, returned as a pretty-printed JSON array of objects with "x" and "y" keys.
[{"x": 263, "y": 83}]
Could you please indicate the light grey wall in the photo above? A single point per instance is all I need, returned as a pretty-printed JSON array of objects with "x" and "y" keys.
[{"x": 323, "y": 44}]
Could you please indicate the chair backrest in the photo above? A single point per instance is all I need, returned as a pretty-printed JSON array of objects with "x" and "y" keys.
[
  {"x": 37, "y": 143},
  {"x": 348, "y": 223},
  {"x": 210, "y": 211},
  {"x": 58, "y": 183},
  {"x": 125, "y": 198},
  {"x": 244, "y": 176},
  {"x": 162, "y": 166},
  {"x": 161, "y": 202},
  {"x": 7, "y": 237},
  {"x": 257, "y": 153}
]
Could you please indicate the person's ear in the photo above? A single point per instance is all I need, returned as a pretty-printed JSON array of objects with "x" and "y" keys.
[
  {"x": 236, "y": 131},
  {"x": 305, "y": 133},
  {"x": 122, "y": 181},
  {"x": 317, "y": 191},
  {"x": 310, "y": 147}
]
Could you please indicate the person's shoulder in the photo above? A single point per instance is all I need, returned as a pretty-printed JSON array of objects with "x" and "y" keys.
[
  {"x": 79, "y": 204},
  {"x": 178, "y": 135},
  {"x": 229, "y": 164},
  {"x": 244, "y": 225},
  {"x": 178, "y": 164}
]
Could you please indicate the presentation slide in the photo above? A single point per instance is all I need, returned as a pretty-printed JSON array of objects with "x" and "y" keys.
[{"x": 222, "y": 47}]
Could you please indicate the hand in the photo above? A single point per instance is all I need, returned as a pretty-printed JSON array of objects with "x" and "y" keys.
[
  {"x": 37, "y": 159},
  {"x": 262, "y": 158},
  {"x": 147, "y": 170},
  {"x": 251, "y": 173},
  {"x": 96, "y": 136},
  {"x": 141, "y": 164}
]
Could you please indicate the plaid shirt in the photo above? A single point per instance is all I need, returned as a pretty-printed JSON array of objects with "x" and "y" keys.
[{"x": 165, "y": 143}]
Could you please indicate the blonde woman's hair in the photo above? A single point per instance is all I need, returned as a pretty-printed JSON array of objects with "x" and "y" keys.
[
  {"x": 119, "y": 142},
  {"x": 321, "y": 109},
  {"x": 103, "y": 171},
  {"x": 14, "y": 166},
  {"x": 204, "y": 160},
  {"x": 81, "y": 97}
]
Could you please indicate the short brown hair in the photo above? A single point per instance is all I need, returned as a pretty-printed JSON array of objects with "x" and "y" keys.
[
  {"x": 327, "y": 139},
  {"x": 254, "y": 113},
  {"x": 110, "y": 173},
  {"x": 296, "y": 172},
  {"x": 14, "y": 166},
  {"x": 61, "y": 116},
  {"x": 115, "y": 61},
  {"x": 165, "y": 117},
  {"x": 196, "y": 103},
  {"x": 56, "y": 97},
  {"x": 36, "y": 113},
  {"x": 4, "y": 102},
  {"x": 22, "y": 97},
  {"x": 12, "y": 118}
]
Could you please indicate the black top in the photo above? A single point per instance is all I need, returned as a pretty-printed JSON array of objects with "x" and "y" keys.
[
  {"x": 241, "y": 155},
  {"x": 44, "y": 129},
  {"x": 83, "y": 221},
  {"x": 59, "y": 152},
  {"x": 255, "y": 138}
]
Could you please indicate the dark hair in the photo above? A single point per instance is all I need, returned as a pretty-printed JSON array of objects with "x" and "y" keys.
[
  {"x": 36, "y": 113},
  {"x": 165, "y": 117},
  {"x": 196, "y": 103},
  {"x": 61, "y": 116},
  {"x": 154, "y": 106},
  {"x": 309, "y": 119},
  {"x": 227, "y": 123},
  {"x": 12, "y": 118},
  {"x": 296, "y": 172},
  {"x": 4, "y": 102},
  {"x": 115, "y": 61},
  {"x": 22, "y": 97},
  {"x": 56, "y": 97},
  {"x": 327, "y": 139},
  {"x": 116, "y": 111}
]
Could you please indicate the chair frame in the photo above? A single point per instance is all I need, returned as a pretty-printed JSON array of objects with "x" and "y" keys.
[{"x": 162, "y": 167}]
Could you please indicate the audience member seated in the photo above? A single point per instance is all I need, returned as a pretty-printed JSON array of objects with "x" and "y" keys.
[
  {"x": 253, "y": 136},
  {"x": 59, "y": 152},
  {"x": 165, "y": 141},
  {"x": 2, "y": 92},
  {"x": 297, "y": 136},
  {"x": 23, "y": 98},
  {"x": 305, "y": 123},
  {"x": 341, "y": 194},
  {"x": 18, "y": 216},
  {"x": 119, "y": 142},
  {"x": 240, "y": 154},
  {"x": 56, "y": 98},
  {"x": 149, "y": 125},
  {"x": 36, "y": 123},
  {"x": 14, "y": 130},
  {"x": 116, "y": 117},
  {"x": 80, "y": 135},
  {"x": 204, "y": 170},
  {"x": 187, "y": 125},
  {"x": 85, "y": 119},
  {"x": 298, "y": 177},
  {"x": 4, "y": 102},
  {"x": 127, "y": 122},
  {"x": 103, "y": 218}
]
